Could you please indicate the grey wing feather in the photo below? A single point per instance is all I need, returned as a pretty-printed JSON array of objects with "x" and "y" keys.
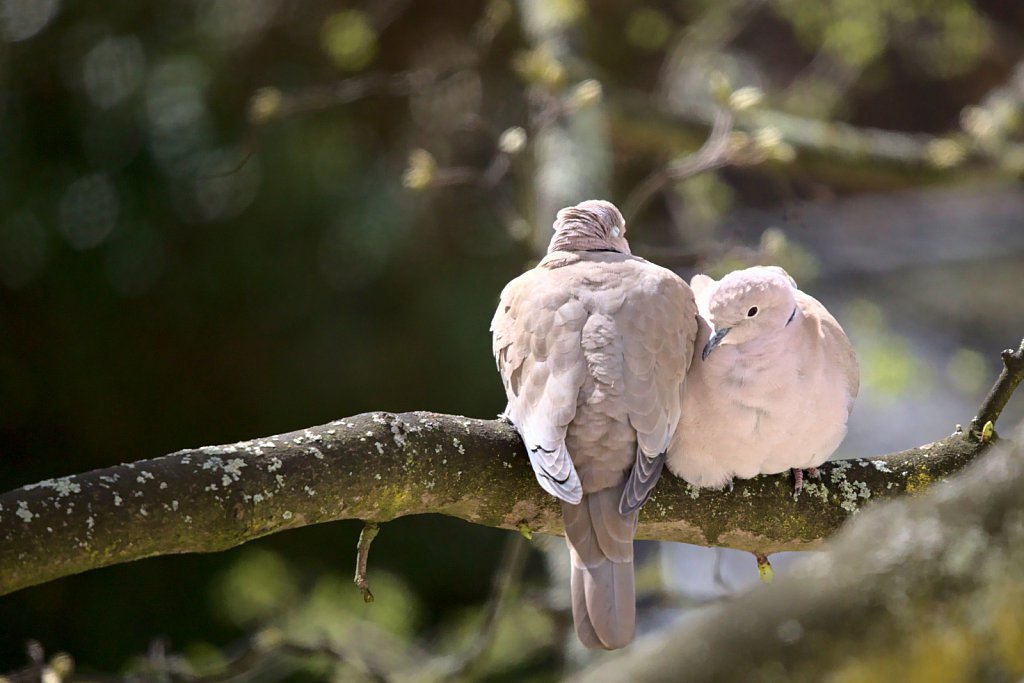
[
  {"x": 661, "y": 320},
  {"x": 641, "y": 481},
  {"x": 536, "y": 344}
]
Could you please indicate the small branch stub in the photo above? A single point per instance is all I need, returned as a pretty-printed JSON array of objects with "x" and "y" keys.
[
  {"x": 764, "y": 568},
  {"x": 1010, "y": 377},
  {"x": 366, "y": 536}
]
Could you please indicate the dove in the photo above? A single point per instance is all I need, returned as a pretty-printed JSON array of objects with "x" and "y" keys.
[
  {"x": 593, "y": 346},
  {"x": 772, "y": 386}
]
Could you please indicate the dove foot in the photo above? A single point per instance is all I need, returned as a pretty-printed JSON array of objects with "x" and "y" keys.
[{"x": 798, "y": 478}]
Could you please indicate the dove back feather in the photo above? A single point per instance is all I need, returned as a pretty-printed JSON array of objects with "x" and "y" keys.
[{"x": 593, "y": 348}]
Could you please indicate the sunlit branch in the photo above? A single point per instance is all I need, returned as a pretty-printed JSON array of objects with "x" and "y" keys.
[{"x": 379, "y": 466}]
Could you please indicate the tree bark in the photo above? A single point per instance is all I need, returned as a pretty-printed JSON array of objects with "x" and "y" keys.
[{"x": 379, "y": 466}]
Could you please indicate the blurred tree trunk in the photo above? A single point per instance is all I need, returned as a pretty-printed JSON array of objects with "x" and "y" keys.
[{"x": 927, "y": 589}]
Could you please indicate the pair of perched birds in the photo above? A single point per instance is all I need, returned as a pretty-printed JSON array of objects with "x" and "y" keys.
[{"x": 614, "y": 367}]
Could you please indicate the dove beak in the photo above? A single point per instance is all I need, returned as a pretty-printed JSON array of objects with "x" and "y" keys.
[{"x": 713, "y": 343}]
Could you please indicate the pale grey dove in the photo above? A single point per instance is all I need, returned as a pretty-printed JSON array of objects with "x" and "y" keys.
[
  {"x": 771, "y": 387},
  {"x": 593, "y": 346}
]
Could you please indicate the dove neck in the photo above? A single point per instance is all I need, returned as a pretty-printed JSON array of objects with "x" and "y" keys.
[{"x": 567, "y": 240}]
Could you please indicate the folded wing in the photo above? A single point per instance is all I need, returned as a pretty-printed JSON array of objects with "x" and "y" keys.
[{"x": 536, "y": 337}]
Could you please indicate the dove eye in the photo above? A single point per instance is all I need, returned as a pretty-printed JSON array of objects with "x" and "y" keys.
[{"x": 752, "y": 312}]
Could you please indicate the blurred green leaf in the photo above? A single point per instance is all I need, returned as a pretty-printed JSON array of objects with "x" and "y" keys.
[
  {"x": 648, "y": 28},
  {"x": 968, "y": 370},
  {"x": 257, "y": 587}
]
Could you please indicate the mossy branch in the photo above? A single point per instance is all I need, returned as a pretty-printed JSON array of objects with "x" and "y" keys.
[{"x": 379, "y": 466}]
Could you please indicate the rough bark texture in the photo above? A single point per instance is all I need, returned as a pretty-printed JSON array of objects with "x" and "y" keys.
[
  {"x": 919, "y": 590},
  {"x": 379, "y": 466}
]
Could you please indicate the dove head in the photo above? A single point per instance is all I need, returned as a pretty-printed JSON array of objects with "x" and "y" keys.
[
  {"x": 593, "y": 225},
  {"x": 747, "y": 304}
]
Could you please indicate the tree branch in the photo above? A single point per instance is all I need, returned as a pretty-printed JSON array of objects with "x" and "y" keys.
[
  {"x": 866, "y": 157},
  {"x": 366, "y": 536},
  {"x": 714, "y": 153},
  {"x": 379, "y": 466},
  {"x": 1009, "y": 379}
]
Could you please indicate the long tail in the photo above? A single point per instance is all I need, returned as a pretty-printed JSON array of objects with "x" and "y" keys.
[{"x": 600, "y": 541}]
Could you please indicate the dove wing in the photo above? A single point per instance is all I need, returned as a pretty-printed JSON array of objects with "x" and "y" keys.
[
  {"x": 835, "y": 344},
  {"x": 536, "y": 343},
  {"x": 659, "y": 326}
]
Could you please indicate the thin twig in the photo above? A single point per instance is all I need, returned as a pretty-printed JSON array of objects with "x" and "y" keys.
[
  {"x": 1002, "y": 390},
  {"x": 823, "y": 68},
  {"x": 366, "y": 536},
  {"x": 59, "y": 667},
  {"x": 716, "y": 573},
  {"x": 506, "y": 579},
  {"x": 339, "y": 654},
  {"x": 265, "y": 645},
  {"x": 460, "y": 176},
  {"x": 714, "y": 153},
  {"x": 271, "y": 104}
]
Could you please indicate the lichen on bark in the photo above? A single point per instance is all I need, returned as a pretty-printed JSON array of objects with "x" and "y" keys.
[{"x": 378, "y": 466}]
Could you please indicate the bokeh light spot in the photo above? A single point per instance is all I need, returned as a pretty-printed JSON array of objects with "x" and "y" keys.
[
  {"x": 22, "y": 19},
  {"x": 234, "y": 22},
  {"x": 113, "y": 69},
  {"x": 176, "y": 112},
  {"x": 88, "y": 212},
  {"x": 349, "y": 39}
]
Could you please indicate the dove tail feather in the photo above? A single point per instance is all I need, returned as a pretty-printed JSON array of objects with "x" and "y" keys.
[
  {"x": 600, "y": 541},
  {"x": 640, "y": 483}
]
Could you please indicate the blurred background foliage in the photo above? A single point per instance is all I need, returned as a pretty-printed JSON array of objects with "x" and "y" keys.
[{"x": 227, "y": 218}]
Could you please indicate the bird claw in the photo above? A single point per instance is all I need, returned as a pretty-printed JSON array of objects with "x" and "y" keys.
[{"x": 798, "y": 478}]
